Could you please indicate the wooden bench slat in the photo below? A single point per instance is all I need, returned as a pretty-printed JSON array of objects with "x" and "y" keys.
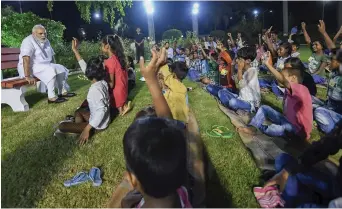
[
  {"x": 10, "y": 51},
  {"x": 7, "y": 65},
  {"x": 9, "y": 57},
  {"x": 15, "y": 83}
]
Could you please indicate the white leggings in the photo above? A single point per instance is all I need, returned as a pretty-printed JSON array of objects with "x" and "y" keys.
[{"x": 57, "y": 81}]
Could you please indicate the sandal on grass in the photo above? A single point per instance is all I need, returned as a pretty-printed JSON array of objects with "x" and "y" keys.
[
  {"x": 128, "y": 107},
  {"x": 80, "y": 178},
  {"x": 220, "y": 132},
  {"x": 95, "y": 176}
]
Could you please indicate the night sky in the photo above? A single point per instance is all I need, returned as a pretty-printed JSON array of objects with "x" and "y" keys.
[{"x": 177, "y": 15}]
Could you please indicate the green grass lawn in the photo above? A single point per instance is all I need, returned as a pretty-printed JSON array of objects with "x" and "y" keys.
[{"x": 35, "y": 164}]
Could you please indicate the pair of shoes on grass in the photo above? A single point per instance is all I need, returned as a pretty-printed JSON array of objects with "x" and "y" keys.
[
  {"x": 220, "y": 132},
  {"x": 94, "y": 175}
]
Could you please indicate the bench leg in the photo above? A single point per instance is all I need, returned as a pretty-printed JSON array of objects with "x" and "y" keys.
[{"x": 15, "y": 98}]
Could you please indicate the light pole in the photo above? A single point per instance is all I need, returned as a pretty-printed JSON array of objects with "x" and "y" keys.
[
  {"x": 150, "y": 10},
  {"x": 195, "y": 10}
]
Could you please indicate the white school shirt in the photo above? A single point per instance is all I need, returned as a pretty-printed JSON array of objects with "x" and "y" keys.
[
  {"x": 212, "y": 44},
  {"x": 98, "y": 102},
  {"x": 170, "y": 53},
  {"x": 280, "y": 63},
  {"x": 249, "y": 88}
]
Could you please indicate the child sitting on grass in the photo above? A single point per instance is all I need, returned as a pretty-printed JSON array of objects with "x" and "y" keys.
[
  {"x": 297, "y": 108},
  {"x": 175, "y": 92},
  {"x": 225, "y": 72},
  {"x": 116, "y": 67},
  {"x": 318, "y": 60},
  {"x": 143, "y": 185},
  {"x": 97, "y": 115},
  {"x": 249, "y": 95},
  {"x": 131, "y": 74}
]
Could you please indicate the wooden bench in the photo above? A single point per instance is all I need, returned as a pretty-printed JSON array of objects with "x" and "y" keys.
[{"x": 13, "y": 89}]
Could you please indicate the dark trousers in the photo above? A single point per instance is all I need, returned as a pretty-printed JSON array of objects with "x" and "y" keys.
[{"x": 139, "y": 50}]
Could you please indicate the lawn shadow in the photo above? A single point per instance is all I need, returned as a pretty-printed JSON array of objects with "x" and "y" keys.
[
  {"x": 135, "y": 90},
  {"x": 28, "y": 170},
  {"x": 217, "y": 196}
]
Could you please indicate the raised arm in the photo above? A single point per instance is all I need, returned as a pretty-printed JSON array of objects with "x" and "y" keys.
[
  {"x": 81, "y": 62},
  {"x": 230, "y": 37},
  {"x": 339, "y": 32},
  {"x": 150, "y": 74},
  {"x": 327, "y": 39},
  {"x": 280, "y": 78},
  {"x": 306, "y": 35}
]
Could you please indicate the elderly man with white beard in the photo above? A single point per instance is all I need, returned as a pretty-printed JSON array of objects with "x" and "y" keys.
[{"x": 36, "y": 59}]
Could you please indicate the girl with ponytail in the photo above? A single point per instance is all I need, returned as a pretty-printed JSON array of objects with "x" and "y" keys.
[{"x": 116, "y": 66}]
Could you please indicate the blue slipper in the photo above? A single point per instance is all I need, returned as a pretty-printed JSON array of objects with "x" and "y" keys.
[
  {"x": 95, "y": 176},
  {"x": 80, "y": 178}
]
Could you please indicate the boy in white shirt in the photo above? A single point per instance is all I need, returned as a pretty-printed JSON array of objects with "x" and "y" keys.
[{"x": 249, "y": 90}]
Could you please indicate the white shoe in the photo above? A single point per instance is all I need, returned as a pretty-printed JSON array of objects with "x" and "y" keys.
[{"x": 142, "y": 79}]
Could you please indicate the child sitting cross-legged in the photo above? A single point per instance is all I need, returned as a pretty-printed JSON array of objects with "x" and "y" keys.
[
  {"x": 97, "y": 115},
  {"x": 249, "y": 89},
  {"x": 297, "y": 108},
  {"x": 225, "y": 72},
  {"x": 155, "y": 149},
  {"x": 176, "y": 92}
]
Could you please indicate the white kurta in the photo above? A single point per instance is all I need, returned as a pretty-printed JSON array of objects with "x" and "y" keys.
[{"x": 40, "y": 60}]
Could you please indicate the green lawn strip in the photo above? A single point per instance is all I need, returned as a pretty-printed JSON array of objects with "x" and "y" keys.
[{"x": 234, "y": 172}]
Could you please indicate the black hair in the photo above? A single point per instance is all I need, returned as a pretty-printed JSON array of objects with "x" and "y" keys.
[
  {"x": 295, "y": 62},
  {"x": 148, "y": 111},
  {"x": 295, "y": 43},
  {"x": 338, "y": 53},
  {"x": 155, "y": 152},
  {"x": 96, "y": 69},
  {"x": 287, "y": 46},
  {"x": 297, "y": 68},
  {"x": 182, "y": 49},
  {"x": 166, "y": 43},
  {"x": 180, "y": 69},
  {"x": 274, "y": 32},
  {"x": 247, "y": 53},
  {"x": 320, "y": 42},
  {"x": 117, "y": 48},
  {"x": 130, "y": 62},
  {"x": 214, "y": 55}
]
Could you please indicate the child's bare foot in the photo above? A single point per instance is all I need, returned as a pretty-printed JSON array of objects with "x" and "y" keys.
[
  {"x": 126, "y": 108},
  {"x": 247, "y": 130}
]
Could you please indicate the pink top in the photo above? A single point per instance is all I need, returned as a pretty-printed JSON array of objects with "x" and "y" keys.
[
  {"x": 120, "y": 91},
  {"x": 183, "y": 197},
  {"x": 298, "y": 108}
]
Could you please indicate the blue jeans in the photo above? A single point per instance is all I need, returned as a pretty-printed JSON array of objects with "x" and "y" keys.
[
  {"x": 280, "y": 125},
  {"x": 326, "y": 119},
  {"x": 318, "y": 79},
  {"x": 214, "y": 89},
  {"x": 264, "y": 83},
  {"x": 194, "y": 75},
  {"x": 230, "y": 100},
  {"x": 300, "y": 188}
]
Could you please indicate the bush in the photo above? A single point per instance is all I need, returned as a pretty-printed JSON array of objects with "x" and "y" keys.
[
  {"x": 15, "y": 27},
  {"x": 172, "y": 34}
]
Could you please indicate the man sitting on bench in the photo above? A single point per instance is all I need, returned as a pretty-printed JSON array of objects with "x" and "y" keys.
[{"x": 36, "y": 59}]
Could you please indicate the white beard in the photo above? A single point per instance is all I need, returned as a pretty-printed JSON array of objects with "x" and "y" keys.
[{"x": 41, "y": 41}]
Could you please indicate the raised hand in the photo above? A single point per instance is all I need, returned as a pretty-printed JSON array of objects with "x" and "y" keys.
[
  {"x": 151, "y": 69},
  {"x": 321, "y": 26},
  {"x": 229, "y": 35},
  {"x": 74, "y": 44},
  {"x": 303, "y": 24}
]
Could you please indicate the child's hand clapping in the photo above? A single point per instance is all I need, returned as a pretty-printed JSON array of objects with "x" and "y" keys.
[{"x": 266, "y": 58}]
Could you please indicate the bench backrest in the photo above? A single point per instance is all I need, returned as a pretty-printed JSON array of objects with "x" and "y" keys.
[{"x": 9, "y": 58}]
